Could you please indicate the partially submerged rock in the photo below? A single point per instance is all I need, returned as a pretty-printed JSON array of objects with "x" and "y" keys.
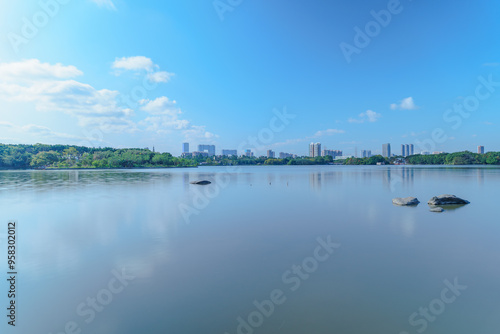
[
  {"x": 201, "y": 182},
  {"x": 436, "y": 209},
  {"x": 447, "y": 200},
  {"x": 406, "y": 201}
]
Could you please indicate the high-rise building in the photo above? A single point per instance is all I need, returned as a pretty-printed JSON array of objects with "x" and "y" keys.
[
  {"x": 284, "y": 155},
  {"x": 480, "y": 149},
  {"x": 314, "y": 150},
  {"x": 386, "y": 150},
  {"x": 271, "y": 154},
  {"x": 366, "y": 153},
  {"x": 332, "y": 153},
  {"x": 230, "y": 152},
  {"x": 210, "y": 149},
  {"x": 406, "y": 149},
  {"x": 248, "y": 153},
  {"x": 185, "y": 147}
]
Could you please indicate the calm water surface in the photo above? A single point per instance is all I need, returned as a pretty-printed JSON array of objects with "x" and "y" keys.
[{"x": 200, "y": 256}]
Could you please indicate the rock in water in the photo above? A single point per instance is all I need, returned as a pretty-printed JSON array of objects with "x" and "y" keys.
[
  {"x": 438, "y": 209},
  {"x": 202, "y": 182},
  {"x": 446, "y": 200},
  {"x": 405, "y": 201}
]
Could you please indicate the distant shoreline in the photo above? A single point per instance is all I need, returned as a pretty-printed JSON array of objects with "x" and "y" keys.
[
  {"x": 222, "y": 166},
  {"x": 91, "y": 168}
]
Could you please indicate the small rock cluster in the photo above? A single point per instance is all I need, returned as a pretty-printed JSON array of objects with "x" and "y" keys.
[{"x": 434, "y": 203}]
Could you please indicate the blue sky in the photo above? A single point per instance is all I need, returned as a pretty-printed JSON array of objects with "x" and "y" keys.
[{"x": 156, "y": 73}]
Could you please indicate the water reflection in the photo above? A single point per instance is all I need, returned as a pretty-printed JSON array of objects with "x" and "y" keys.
[
  {"x": 398, "y": 177},
  {"x": 53, "y": 179},
  {"x": 77, "y": 226}
]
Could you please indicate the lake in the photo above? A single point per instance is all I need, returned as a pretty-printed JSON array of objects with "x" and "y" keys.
[{"x": 263, "y": 249}]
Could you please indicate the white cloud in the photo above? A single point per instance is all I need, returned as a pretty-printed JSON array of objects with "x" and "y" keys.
[
  {"x": 141, "y": 63},
  {"x": 39, "y": 132},
  {"x": 328, "y": 132},
  {"x": 198, "y": 132},
  {"x": 160, "y": 106},
  {"x": 404, "y": 104},
  {"x": 165, "y": 119},
  {"x": 367, "y": 116},
  {"x": 47, "y": 132},
  {"x": 161, "y": 76},
  {"x": 6, "y": 125},
  {"x": 105, "y": 3},
  {"x": 45, "y": 86},
  {"x": 33, "y": 69},
  {"x": 134, "y": 63},
  {"x": 51, "y": 88}
]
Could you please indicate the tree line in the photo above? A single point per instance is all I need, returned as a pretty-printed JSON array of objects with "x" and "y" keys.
[
  {"x": 457, "y": 158},
  {"x": 69, "y": 156}
]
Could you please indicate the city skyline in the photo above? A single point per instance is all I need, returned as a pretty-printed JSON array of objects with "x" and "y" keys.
[{"x": 315, "y": 150}]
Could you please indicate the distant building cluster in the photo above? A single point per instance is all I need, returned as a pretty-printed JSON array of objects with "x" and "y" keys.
[
  {"x": 248, "y": 153},
  {"x": 315, "y": 150},
  {"x": 203, "y": 151},
  {"x": 284, "y": 155},
  {"x": 332, "y": 153},
  {"x": 230, "y": 153}
]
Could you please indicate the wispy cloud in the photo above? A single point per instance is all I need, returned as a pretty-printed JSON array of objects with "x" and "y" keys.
[
  {"x": 165, "y": 119},
  {"x": 327, "y": 132},
  {"x": 414, "y": 134},
  {"x": 39, "y": 132},
  {"x": 33, "y": 69},
  {"x": 491, "y": 64},
  {"x": 405, "y": 104},
  {"x": 141, "y": 64},
  {"x": 51, "y": 88},
  {"x": 321, "y": 133},
  {"x": 367, "y": 116},
  {"x": 6, "y": 125},
  {"x": 134, "y": 63},
  {"x": 105, "y": 3},
  {"x": 161, "y": 76}
]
